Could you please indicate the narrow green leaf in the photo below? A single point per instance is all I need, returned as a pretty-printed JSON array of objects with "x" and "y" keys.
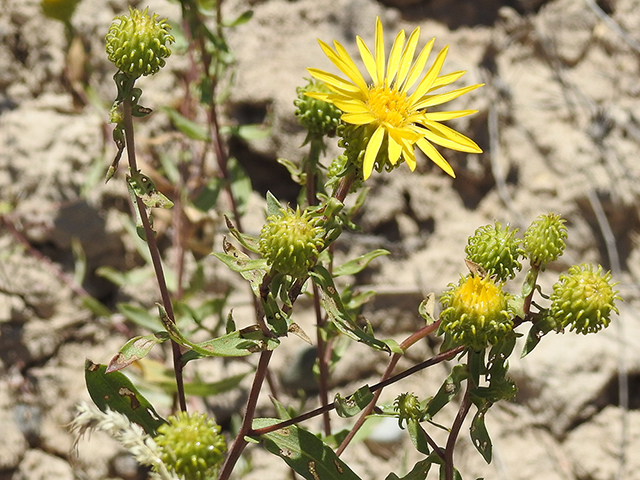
[
  {"x": 95, "y": 306},
  {"x": 332, "y": 303},
  {"x": 243, "y": 18},
  {"x": 115, "y": 391},
  {"x": 418, "y": 472},
  {"x": 273, "y": 205},
  {"x": 135, "y": 276},
  {"x": 418, "y": 436},
  {"x": 251, "y": 270},
  {"x": 146, "y": 190},
  {"x": 247, "y": 241},
  {"x": 479, "y": 434},
  {"x": 240, "y": 184},
  {"x": 358, "y": 264},
  {"x": 304, "y": 452},
  {"x": 448, "y": 390},
  {"x": 353, "y": 404},
  {"x": 135, "y": 349},
  {"x": 140, "y": 317},
  {"x": 208, "y": 196},
  {"x": 190, "y": 128},
  {"x": 202, "y": 389},
  {"x": 239, "y": 343}
]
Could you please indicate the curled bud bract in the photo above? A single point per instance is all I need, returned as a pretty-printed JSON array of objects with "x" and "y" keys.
[
  {"x": 138, "y": 44},
  {"x": 408, "y": 407},
  {"x": 476, "y": 312},
  {"x": 191, "y": 446},
  {"x": 291, "y": 242},
  {"x": 583, "y": 299},
  {"x": 544, "y": 239},
  {"x": 496, "y": 250}
]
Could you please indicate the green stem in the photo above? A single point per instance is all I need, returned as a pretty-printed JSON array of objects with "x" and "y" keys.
[{"x": 153, "y": 247}]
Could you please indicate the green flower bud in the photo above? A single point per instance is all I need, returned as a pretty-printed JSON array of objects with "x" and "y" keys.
[
  {"x": 476, "y": 312},
  {"x": 137, "y": 45},
  {"x": 291, "y": 242},
  {"x": 61, "y": 10},
  {"x": 318, "y": 117},
  {"x": 583, "y": 299},
  {"x": 191, "y": 446},
  {"x": 408, "y": 407},
  {"x": 496, "y": 250},
  {"x": 544, "y": 239}
]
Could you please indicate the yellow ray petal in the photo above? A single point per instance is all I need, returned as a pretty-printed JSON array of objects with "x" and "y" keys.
[
  {"x": 358, "y": 118},
  {"x": 444, "y": 116},
  {"x": 379, "y": 47},
  {"x": 409, "y": 154},
  {"x": 444, "y": 80},
  {"x": 395, "y": 147},
  {"x": 440, "y": 98},
  {"x": 426, "y": 82},
  {"x": 418, "y": 66},
  {"x": 407, "y": 56},
  {"x": 447, "y": 137},
  {"x": 333, "y": 80},
  {"x": 343, "y": 61},
  {"x": 373, "y": 147},
  {"x": 369, "y": 62},
  {"x": 394, "y": 58},
  {"x": 435, "y": 156}
]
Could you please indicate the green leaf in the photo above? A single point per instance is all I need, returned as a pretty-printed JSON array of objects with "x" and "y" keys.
[
  {"x": 297, "y": 175},
  {"x": 204, "y": 389},
  {"x": 251, "y": 270},
  {"x": 239, "y": 343},
  {"x": 418, "y": 472},
  {"x": 135, "y": 349},
  {"x": 273, "y": 205},
  {"x": 240, "y": 184},
  {"x": 190, "y": 128},
  {"x": 146, "y": 190},
  {"x": 353, "y": 404},
  {"x": 448, "y": 390},
  {"x": 358, "y": 264},
  {"x": 95, "y": 306},
  {"x": 480, "y": 435},
  {"x": 135, "y": 276},
  {"x": 247, "y": 241},
  {"x": 140, "y": 316},
  {"x": 538, "y": 330},
  {"x": 208, "y": 196},
  {"x": 304, "y": 452},
  {"x": 115, "y": 391},
  {"x": 243, "y": 18},
  {"x": 248, "y": 132},
  {"x": 418, "y": 436},
  {"x": 332, "y": 303}
]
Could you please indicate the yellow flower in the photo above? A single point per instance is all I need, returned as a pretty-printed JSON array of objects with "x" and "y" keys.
[{"x": 396, "y": 112}]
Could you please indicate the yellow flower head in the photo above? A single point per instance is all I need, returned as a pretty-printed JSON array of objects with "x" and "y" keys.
[{"x": 390, "y": 105}]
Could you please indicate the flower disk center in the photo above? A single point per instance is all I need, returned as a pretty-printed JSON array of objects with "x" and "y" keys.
[
  {"x": 482, "y": 296},
  {"x": 388, "y": 105}
]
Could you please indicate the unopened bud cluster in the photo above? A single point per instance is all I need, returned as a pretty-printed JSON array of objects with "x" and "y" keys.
[
  {"x": 496, "y": 250},
  {"x": 476, "y": 312},
  {"x": 191, "y": 446},
  {"x": 583, "y": 299},
  {"x": 291, "y": 242},
  {"x": 544, "y": 239},
  {"x": 138, "y": 44}
]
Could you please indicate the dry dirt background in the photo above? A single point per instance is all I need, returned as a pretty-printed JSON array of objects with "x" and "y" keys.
[{"x": 559, "y": 120}]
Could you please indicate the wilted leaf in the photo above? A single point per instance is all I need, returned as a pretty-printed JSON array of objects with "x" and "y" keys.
[
  {"x": 353, "y": 404},
  {"x": 135, "y": 349}
]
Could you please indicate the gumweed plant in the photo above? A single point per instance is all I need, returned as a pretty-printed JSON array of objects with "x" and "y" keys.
[{"x": 379, "y": 122}]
